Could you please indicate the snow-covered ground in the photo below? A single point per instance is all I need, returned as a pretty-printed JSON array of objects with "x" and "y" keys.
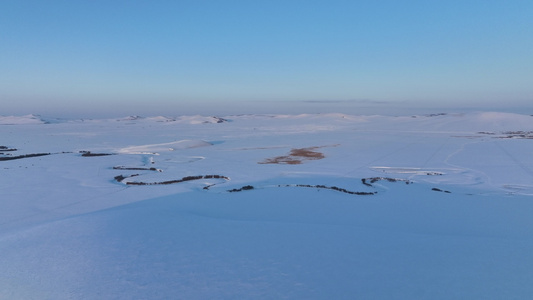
[{"x": 317, "y": 206}]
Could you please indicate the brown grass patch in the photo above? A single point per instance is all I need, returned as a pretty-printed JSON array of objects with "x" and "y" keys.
[{"x": 296, "y": 156}]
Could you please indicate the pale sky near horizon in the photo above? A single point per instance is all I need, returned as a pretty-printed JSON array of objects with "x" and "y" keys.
[{"x": 148, "y": 55}]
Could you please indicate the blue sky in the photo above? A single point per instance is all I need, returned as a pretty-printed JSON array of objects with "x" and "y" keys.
[{"x": 128, "y": 56}]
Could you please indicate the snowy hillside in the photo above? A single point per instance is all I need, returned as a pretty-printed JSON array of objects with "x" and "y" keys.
[
  {"x": 19, "y": 120},
  {"x": 324, "y": 206}
]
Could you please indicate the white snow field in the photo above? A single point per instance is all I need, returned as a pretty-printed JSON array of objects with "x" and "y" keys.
[{"x": 320, "y": 206}]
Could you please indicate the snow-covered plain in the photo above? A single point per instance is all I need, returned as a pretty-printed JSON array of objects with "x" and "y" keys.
[{"x": 324, "y": 206}]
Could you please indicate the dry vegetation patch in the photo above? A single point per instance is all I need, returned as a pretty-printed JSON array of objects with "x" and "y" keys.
[{"x": 297, "y": 156}]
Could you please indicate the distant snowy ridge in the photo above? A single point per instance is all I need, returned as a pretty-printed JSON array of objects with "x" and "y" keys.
[
  {"x": 474, "y": 122},
  {"x": 195, "y": 119},
  {"x": 504, "y": 120},
  {"x": 497, "y": 122},
  {"x": 21, "y": 120}
]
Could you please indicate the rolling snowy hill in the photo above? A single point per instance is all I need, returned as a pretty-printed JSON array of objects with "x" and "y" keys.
[{"x": 325, "y": 206}]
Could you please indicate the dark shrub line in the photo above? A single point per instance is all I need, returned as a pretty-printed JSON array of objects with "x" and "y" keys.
[
  {"x": 90, "y": 154},
  {"x": 319, "y": 186},
  {"x": 220, "y": 120},
  {"x": 244, "y": 188},
  {"x": 6, "y": 149},
  {"x": 23, "y": 156},
  {"x": 375, "y": 179},
  {"x": 120, "y": 178},
  {"x": 439, "y": 190},
  {"x": 136, "y": 168},
  {"x": 249, "y": 187}
]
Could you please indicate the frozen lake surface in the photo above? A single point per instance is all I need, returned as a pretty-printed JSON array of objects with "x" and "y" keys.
[{"x": 314, "y": 206}]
